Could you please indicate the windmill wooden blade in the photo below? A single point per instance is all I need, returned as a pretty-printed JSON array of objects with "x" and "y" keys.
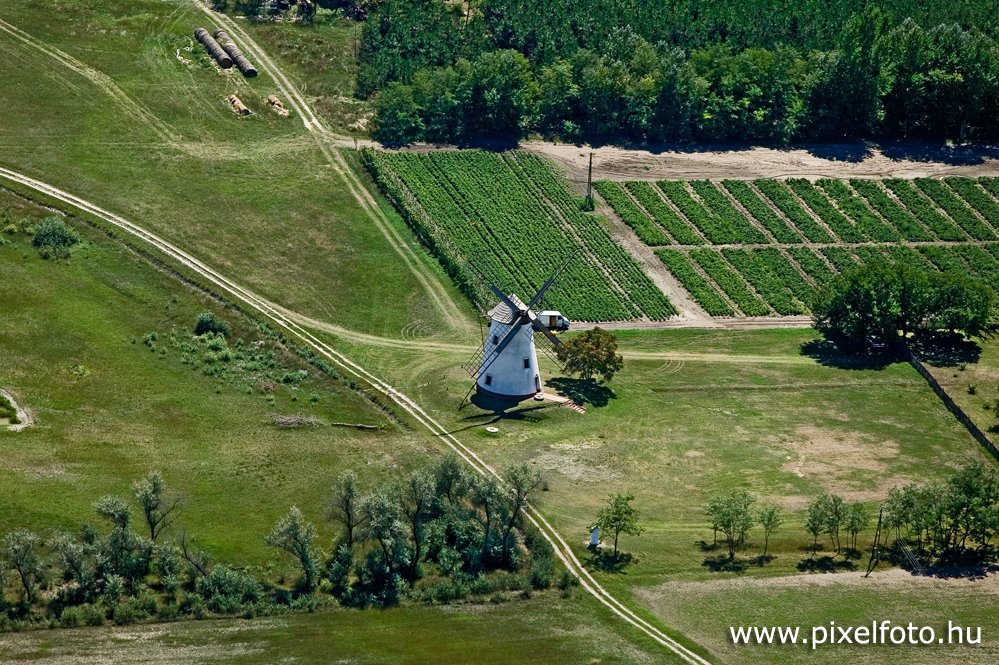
[
  {"x": 549, "y": 349},
  {"x": 541, "y": 328},
  {"x": 504, "y": 298}
]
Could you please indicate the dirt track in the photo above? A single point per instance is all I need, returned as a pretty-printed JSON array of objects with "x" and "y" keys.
[{"x": 820, "y": 161}]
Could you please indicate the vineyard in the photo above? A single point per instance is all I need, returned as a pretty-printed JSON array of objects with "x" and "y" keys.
[
  {"x": 510, "y": 219},
  {"x": 759, "y": 248}
]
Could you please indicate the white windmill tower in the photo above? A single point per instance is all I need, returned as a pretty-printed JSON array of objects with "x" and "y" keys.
[{"x": 506, "y": 365}]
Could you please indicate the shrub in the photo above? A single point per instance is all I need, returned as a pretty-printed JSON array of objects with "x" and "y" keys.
[
  {"x": 226, "y": 590},
  {"x": 209, "y": 323},
  {"x": 542, "y": 570},
  {"x": 53, "y": 238}
]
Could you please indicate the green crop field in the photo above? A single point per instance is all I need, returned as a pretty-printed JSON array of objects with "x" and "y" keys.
[
  {"x": 779, "y": 239},
  {"x": 513, "y": 217}
]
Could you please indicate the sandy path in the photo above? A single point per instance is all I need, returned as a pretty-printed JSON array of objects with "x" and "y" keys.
[
  {"x": 820, "y": 161},
  {"x": 22, "y": 414}
]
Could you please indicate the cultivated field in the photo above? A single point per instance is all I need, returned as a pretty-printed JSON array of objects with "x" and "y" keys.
[
  {"x": 513, "y": 218},
  {"x": 758, "y": 248}
]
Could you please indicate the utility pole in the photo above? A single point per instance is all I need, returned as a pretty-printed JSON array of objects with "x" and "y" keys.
[{"x": 589, "y": 184}]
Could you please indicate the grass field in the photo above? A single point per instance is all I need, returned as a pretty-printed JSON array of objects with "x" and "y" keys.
[
  {"x": 109, "y": 407},
  {"x": 544, "y": 629},
  {"x": 696, "y": 412},
  {"x": 774, "y": 241},
  {"x": 127, "y": 99}
]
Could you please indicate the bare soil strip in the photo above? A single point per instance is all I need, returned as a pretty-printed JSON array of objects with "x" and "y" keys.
[{"x": 813, "y": 162}]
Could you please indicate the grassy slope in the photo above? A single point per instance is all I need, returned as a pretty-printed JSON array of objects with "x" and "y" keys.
[
  {"x": 544, "y": 629},
  {"x": 320, "y": 59},
  {"x": 251, "y": 196},
  {"x": 131, "y": 410}
]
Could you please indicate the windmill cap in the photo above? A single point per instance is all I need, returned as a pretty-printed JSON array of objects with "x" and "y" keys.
[{"x": 501, "y": 313}]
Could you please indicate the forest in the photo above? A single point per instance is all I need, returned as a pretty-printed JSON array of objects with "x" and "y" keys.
[{"x": 641, "y": 71}]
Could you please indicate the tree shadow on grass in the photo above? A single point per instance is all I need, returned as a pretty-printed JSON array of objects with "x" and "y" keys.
[
  {"x": 708, "y": 547},
  {"x": 825, "y": 564},
  {"x": 582, "y": 391},
  {"x": 944, "y": 349},
  {"x": 722, "y": 563},
  {"x": 828, "y": 354},
  {"x": 605, "y": 560}
]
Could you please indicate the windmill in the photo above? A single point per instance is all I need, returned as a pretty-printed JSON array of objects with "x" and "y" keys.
[{"x": 506, "y": 365}]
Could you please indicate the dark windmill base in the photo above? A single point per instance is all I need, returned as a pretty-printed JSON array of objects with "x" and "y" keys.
[{"x": 515, "y": 399}]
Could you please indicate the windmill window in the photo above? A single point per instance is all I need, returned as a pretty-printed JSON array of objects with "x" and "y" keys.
[
  {"x": 527, "y": 363},
  {"x": 489, "y": 379}
]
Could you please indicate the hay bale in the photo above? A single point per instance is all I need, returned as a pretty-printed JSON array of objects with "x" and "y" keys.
[
  {"x": 238, "y": 107},
  {"x": 213, "y": 48},
  {"x": 237, "y": 56},
  {"x": 277, "y": 106}
]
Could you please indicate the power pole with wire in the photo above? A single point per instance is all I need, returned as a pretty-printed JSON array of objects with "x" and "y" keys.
[{"x": 589, "y": 184}]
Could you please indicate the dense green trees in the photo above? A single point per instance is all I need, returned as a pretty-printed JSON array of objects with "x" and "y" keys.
[
  {"x": 753, "y": 71},
  {"x": 953, "y": 520},
  {"x": 878, "y": 303}
]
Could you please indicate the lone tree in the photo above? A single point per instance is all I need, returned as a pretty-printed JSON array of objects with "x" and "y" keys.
[
  {"x": 297, "y": 537},
  {"x": 857, "y": 519},
  {"x": 732, "y": 514},
  {"x": 345, "y": 506},
  {"x": 159, "y": 509},
  {"x": 817, "y": 519},
  {"x": 523, "y": 482},
  {"x": 771, "y": 518},
  {"x": 20, "y": 554},
  {"x": 591, "y": 353},
  {"x": 618, "y": 517}
]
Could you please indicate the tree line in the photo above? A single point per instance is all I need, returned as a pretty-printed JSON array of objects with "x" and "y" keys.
[
  {"x": 953, "y": 521},
  {"x": 440, "y": 534},
  {"x": 444, "y": 77},
  {"x": 950, "y": 522}
]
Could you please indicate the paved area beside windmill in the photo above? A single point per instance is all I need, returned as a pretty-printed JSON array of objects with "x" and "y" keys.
[{"x": 562, "y": 400}]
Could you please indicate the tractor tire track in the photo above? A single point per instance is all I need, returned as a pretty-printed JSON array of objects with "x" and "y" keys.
[
  {"x": 268, "y": 310},
  {"x": 131, "y": 107}
]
